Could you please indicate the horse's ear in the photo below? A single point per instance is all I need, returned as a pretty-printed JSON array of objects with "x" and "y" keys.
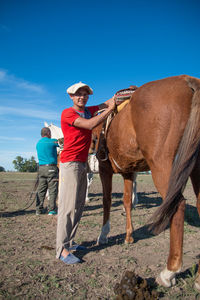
[{"x": 46, "y": 124}]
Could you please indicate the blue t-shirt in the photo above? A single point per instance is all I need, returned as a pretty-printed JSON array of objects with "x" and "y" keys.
[{"x": 47, "y": 151}]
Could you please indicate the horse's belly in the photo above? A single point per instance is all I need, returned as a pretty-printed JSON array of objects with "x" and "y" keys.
[{"x": 126, "y": 164}]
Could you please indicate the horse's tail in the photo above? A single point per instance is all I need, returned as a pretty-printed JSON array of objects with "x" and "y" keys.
[{"x": 183, "y": 164}]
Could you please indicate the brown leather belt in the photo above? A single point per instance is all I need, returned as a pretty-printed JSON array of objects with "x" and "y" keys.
[{"x": 47, "y": 165}]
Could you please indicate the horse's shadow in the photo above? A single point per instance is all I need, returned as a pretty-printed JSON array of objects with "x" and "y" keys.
[
  {"x": 16, "y": 213},
  {"x": 119, "y": 239},
  {"x": 144, "y": 201},
  {"x": 147, "y": 201},
  {"x": 192, "y": 216},
  {"x": 96, "y": 197}
]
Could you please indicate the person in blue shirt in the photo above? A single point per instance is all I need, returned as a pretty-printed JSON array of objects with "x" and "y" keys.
[{"x": 47, "y": 173}]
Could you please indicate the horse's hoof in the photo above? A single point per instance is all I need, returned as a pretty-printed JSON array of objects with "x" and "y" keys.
[
  {"x": 167, "y": 278},
  {"x": 129, "y": 240},
  {"x": 102, "y": 241},
  {"x": 166, "y": 283},
  {"x": 173, "y": 281},
  {"x": 197, "y": 283}
]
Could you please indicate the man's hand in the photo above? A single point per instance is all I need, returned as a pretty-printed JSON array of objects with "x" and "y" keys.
[{"x": 110, "y": 103}]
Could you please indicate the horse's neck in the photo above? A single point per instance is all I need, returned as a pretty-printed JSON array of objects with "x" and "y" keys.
[{"x": 102, "y": 130}]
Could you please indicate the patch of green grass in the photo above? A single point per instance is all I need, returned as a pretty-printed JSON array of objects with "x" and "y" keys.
[
  {"x": 92, "y": 282},
  {"x": 89, "y": 270},
  {"x": 47, "y": 282},
  {"x": 140, "y": 221},
  {"x": 148, "y": 271},
  {"x": 33, "y": 263},
  {"x": 3, "y": 252},
  {"x": 82, "y": 294},
  {"x": 5, "y": 294},
  {"x": 90, "y": 224},
  {"x": 131, "y": 260},
  {"x": 188, "y": 229}
]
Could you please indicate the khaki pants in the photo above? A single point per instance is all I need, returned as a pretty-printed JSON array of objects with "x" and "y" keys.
[
  {"x": 71, "y": 200},
  {"x": 48, "y": 179}
]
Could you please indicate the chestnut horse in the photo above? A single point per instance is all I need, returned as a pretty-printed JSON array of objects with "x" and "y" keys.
[{"x": 158, "y": 130}]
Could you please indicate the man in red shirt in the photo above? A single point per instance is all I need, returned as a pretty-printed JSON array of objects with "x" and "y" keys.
[{"x": 77, "y": 123}]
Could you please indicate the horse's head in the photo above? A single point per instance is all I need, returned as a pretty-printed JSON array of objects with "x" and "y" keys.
[{"x": 56, "y": 132}]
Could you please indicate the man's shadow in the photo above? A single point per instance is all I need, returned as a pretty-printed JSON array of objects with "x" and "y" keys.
[{"x": 16, "y": 213}]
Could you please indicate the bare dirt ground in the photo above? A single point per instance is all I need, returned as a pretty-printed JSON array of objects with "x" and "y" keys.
[{"x": 29, "y": 269}]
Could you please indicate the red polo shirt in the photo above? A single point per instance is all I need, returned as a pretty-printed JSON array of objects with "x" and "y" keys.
[{"x": 76, "y": 140}]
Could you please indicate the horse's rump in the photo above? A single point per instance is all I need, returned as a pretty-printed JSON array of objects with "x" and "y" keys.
[{"x": 184, "y": 162}]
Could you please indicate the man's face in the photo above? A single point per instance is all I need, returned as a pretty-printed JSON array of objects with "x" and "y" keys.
[{"x": 80, "y": 98}]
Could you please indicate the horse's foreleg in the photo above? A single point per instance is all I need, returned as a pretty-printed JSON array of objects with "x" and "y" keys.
[
  {"x": 127, "y": 199},
  {"x": 134, "y": 194},
  {"x": 167, "y": 276},
  {"x": 106, "y": 180},
  {"x": 89, "y": 182}
]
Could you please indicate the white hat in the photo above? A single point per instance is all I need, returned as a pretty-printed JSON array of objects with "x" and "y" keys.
[{"x": 75, "y": 87}]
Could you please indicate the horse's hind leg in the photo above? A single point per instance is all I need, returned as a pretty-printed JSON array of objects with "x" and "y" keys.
[
  {"x": 106, "y": 173},
  {"x": 174, "y": 263},
  {"x": 195, "y": 175},
  {"x": 127, "y": 199}
]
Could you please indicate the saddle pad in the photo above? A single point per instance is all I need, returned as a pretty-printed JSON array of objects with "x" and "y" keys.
[{"x": 124, "y": 94}]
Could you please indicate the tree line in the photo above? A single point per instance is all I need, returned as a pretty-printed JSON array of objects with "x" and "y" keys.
[{"x": 23, "y": 165}]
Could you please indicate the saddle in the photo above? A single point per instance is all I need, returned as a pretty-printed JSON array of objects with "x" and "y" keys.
[
  {"x": 124, "y": 94},
  {"x": 122, "y": 98}
]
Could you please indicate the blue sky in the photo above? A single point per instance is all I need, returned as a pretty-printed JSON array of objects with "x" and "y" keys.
[{"x": 46, "y": 46}]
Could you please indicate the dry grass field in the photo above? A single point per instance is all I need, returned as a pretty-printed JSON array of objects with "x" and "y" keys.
[{"x": 29, "y": 269}]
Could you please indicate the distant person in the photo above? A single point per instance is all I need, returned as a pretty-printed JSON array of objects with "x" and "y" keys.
[
  {"x": 48, "y": 172},
  {"x": 77, "y": 123}
]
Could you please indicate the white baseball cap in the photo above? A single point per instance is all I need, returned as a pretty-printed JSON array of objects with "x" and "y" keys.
[{"x": 75, "y": 87}]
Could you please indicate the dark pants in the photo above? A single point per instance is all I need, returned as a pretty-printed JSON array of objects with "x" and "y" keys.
[{"x": 48, "y": 179}]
